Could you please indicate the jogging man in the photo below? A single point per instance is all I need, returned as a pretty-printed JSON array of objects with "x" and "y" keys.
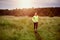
[{"x": 35, "y": 21}]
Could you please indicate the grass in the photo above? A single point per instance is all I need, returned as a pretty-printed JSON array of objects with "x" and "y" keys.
[{"x": 21, "y": 28}]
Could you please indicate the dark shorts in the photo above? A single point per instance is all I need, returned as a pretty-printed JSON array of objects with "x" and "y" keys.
[{"x": 35, "y": 25}]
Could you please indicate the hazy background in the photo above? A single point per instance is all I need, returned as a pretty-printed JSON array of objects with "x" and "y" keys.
[{"x": 10, "y": 4}]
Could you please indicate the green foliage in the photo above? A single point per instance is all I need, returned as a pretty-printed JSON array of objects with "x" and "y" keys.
[{"x": 21, "y": 28}]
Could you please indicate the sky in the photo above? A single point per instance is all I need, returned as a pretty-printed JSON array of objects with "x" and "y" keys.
[{"x": 11, "y": 4}]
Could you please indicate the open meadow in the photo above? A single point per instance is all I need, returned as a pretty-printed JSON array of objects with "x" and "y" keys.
[{"x": 22, "y": 28}]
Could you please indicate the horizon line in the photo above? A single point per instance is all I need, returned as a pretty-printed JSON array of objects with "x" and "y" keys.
[{"x": 29, "y": 8}]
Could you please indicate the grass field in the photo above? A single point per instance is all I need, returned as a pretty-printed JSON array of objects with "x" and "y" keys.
[{"x": 21, "y": 28}]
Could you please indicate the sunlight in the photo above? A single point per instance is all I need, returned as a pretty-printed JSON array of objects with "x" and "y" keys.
[{"x": 25, "y": 4}]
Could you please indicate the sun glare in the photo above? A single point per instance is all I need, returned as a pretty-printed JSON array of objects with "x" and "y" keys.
[{"x": 25, "y": 3}]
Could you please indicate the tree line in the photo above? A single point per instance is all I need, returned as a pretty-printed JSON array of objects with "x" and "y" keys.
[{"x": 53, "y": 11}]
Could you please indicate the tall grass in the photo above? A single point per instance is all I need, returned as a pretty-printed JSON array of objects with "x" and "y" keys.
[{"x": 21, "y": 28}]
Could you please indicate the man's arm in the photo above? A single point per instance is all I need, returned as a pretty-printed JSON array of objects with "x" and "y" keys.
[{"x": 33, "y": 19}]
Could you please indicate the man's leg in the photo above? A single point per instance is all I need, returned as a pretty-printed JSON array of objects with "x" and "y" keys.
[{"x": 36, "y": 25}]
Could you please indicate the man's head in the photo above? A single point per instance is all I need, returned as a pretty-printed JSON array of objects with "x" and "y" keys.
[{"x": 35, "y": 14}]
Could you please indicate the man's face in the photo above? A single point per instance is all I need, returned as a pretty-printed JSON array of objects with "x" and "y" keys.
[{"x": 35, "y": 14}]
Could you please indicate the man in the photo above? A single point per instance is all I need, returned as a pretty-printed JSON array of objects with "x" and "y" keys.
[{"x": 35, "y": 21}]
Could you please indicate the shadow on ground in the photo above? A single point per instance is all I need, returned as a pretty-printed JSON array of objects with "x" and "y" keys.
[{"x": 38, "y": 37}]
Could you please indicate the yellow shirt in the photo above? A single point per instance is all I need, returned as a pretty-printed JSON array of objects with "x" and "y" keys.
[{"x": 35, "y": 18}]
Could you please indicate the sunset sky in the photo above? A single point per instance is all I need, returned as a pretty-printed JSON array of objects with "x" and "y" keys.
[{"x": 10, "y": 4}]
